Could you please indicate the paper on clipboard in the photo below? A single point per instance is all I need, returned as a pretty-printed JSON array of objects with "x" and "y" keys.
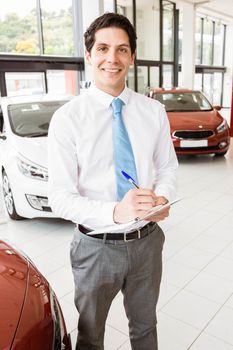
[
  {"x": 134, "y": 224},
  {"x": 157, "y": 209}
]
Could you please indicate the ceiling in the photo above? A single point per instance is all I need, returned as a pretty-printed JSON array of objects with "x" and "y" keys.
[{"x": 219, "y": 7}]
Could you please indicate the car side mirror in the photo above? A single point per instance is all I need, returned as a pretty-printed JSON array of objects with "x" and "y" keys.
[{"x": 217, "y": 108}]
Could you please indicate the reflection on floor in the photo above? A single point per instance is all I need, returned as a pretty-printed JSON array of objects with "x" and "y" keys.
[{"x": 195, "y": 309}]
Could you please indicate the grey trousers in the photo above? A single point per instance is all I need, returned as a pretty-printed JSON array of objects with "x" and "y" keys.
[{"x": 101, "y": 269}]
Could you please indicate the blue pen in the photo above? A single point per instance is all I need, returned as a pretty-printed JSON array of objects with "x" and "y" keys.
[{"x": 129, "y": 178}]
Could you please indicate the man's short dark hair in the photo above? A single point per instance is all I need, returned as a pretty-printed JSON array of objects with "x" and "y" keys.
[{"x": 110, "y": 20}]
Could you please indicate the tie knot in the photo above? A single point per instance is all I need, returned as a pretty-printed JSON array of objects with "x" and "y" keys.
[{"x": 117, "y": 105}]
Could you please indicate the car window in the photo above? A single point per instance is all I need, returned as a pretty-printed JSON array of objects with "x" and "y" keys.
[
  {"x": 32, "y": 119},
  {"x": 183, "y": 101}
]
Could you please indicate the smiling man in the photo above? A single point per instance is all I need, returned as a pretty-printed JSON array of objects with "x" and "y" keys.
[{"x": 107, "y": 129}]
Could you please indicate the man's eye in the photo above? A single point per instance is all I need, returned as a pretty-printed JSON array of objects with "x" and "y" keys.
[
  {"x": 123, "y": 50},
  {"x": 102, "y": 49}
]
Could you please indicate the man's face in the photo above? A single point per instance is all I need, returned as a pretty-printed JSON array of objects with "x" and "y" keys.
[{"x": 110, "y": 58}]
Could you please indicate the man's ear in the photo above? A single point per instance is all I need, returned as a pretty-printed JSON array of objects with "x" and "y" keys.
[
  {"x": 88, "y": 56},
  {"x": 133, "y": 57}
]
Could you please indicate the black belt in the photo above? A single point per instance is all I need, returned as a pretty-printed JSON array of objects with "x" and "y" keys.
[{"x": 127, "y": 236}]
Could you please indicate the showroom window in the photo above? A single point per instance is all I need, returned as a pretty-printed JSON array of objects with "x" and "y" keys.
[
  {"x": 18, "y": 27},
  {"x": 210, "y": 48},
  {"x": 24, "y": 83},
  {"x": 57, "y": 27},
  {"x": 156, "y": 23},
  {"x": 37, "y": 27}
]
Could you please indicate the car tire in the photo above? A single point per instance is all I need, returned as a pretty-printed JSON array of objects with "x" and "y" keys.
[
  {"x": 220, "y": 154},
  {"x": 8, "y": 198}
]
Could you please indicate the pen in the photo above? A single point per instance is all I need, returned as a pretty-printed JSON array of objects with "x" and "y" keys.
[{"x": 129, "y": 178}]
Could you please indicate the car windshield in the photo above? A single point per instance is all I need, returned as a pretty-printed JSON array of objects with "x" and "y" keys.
[
  {"x": 183, "y": 101},
  {"x": 32, "y": 119}
]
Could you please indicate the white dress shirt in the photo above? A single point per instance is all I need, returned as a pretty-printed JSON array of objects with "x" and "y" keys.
[{"x": 82, "y": 184}]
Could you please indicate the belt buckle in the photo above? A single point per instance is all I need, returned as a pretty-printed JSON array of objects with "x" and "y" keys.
[{"x": 128, "y": 240}]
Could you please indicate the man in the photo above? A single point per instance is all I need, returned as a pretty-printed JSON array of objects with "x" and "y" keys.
[{"x": 85, "y": 186}]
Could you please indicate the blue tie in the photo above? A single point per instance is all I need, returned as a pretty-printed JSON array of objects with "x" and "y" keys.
[{"x": 122, "y": 151}]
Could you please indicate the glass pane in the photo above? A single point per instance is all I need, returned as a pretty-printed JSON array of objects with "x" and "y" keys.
[
  {"x": 207, "y": 86},
  {"x": 180, "y": 35},
  {"x": 125, "y": 7},
  {"x": 130, "y": 79},
  {"x": 24, "y": 83},
  {"x": 62, "y": 81},
  {"x": 57, "y": 27},
  {"x": 198, "y": 40},
  {"x": 217, "y": 83},
  {"x": 142, "y": 79},
  {"x": 207, "y": 42},
  {"x": 167, "y": 76},
  {"x": 18, "y": 27},
  {"x": 198, "y": 81},
  {"x": 168, "y": 32},
  {"x": 109, "y": 6},
  {"x": 218, "y": 44},
  {"x": 147, "y": 19},
  {"x": 154, "y": 77}
]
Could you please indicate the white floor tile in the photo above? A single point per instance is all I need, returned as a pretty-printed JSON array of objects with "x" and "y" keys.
[
  {"x": 70, "y": 314},
  {"x": 209, "y": 244},
  {"x": 177, "y": 274},
  {"x": 62, "y": 281},
  {"x": 221, "y": 325},
  {"x": 211, "y": 287},
  {"x": 117, "y": 317},
  {"x": 208, "y": 342},
  {"x": 191, "y": 309},
  {"x": 221, "y": 267},
  {"x": 174, "y": 334},
  {"x": 167, "y": 292},
  {"x": 113, "y": 340},
  {"x": 192, "y": 257}
]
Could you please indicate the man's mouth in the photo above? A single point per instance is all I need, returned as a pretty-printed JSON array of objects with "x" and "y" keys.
[{"x": 111, "y": 70}]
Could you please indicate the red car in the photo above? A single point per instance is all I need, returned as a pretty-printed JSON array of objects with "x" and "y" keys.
[
  {"x": 196, "y": 126},
  {"x": 30, "y": 315}
]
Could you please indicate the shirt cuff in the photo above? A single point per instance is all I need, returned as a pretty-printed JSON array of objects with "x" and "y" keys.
[{"x": 107, "y": 213}]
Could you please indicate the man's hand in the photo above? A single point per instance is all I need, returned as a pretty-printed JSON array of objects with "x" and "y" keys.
[
  {"x": 162, "y": 214},
  {"x": 136, "y": 203}
]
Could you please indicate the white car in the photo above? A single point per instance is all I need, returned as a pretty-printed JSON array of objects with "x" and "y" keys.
[{"x": 24, "y": 123}]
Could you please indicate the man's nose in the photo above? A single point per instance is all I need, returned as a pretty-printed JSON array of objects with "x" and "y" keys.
[{"x": 112, "y": 55}]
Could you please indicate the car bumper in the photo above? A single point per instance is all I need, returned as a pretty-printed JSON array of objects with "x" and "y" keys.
[{"x": 217, "y": 144}]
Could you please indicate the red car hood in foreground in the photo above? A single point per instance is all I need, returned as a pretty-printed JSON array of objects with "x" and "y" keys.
[
  {"x": 194, "y": 120},
  {"x": 13, "y": 284}
]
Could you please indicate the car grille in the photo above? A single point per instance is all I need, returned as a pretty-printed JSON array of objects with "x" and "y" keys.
[{"x": 202, "y": 134}]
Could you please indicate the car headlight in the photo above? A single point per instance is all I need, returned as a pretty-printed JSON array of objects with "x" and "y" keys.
[
  {"x": 32, "y": 170},
  {"x": 222, "y": 127}
]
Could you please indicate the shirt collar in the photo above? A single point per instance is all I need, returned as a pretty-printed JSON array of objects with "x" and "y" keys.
[{"x": 107, "y": 99}]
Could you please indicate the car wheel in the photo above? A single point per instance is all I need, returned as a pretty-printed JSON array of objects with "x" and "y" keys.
[
  {"x": 8, "y": 198},
  {"x": 220, "y": 154}
]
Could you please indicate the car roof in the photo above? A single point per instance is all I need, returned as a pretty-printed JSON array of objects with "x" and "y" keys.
[
  {"x": 172, "y": 90},
  {"x": 34, "y": 98}
]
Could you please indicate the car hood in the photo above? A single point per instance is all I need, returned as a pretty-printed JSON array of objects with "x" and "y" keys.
[
  {"x": 194, "y": 120},
  {"x": 13, "y": 282},
  {"x": 34, "y": 149}
]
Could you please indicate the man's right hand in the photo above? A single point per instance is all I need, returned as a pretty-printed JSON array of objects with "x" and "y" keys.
[{"x": 135, "y": 203}]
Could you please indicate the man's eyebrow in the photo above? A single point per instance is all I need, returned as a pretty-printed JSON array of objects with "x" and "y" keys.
[{"x": 105, "y": 44}]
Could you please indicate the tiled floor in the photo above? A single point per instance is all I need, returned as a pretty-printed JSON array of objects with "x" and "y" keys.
[{"x": 195, "y": 309}]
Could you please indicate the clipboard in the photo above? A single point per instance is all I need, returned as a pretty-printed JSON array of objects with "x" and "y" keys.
[
  {"x": 133, "y": 224},
  {"x": 156, "y": 209}
]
